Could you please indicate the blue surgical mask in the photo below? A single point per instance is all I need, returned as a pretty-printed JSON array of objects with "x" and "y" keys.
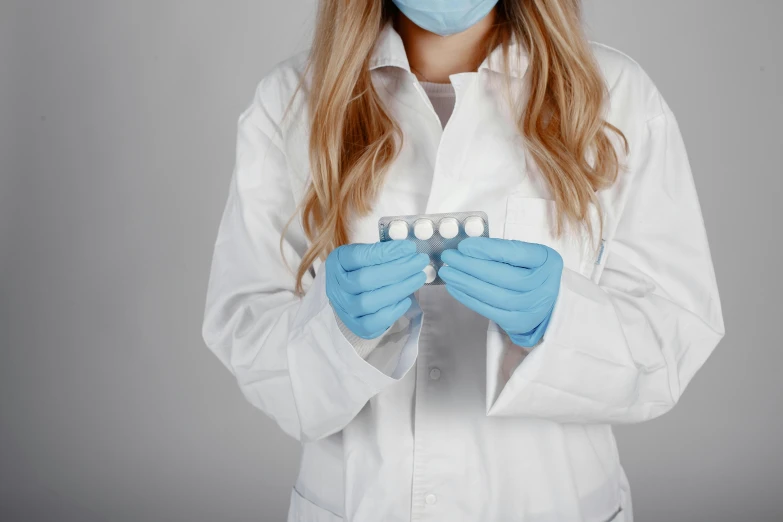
[{"x": 445, "y": 17}]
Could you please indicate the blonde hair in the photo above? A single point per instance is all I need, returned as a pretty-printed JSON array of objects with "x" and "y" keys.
[{"x": 353, "y": 139}]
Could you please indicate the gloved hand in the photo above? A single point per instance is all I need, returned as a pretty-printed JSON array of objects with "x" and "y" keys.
[
  {"x": 512, "y": 283},
  {"x": 368, "y": 285}
]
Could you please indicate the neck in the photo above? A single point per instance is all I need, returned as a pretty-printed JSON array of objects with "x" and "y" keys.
[{"x": 434, "y": 58}]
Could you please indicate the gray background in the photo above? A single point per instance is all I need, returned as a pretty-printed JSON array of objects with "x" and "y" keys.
[{"x": 117, "y": 128}]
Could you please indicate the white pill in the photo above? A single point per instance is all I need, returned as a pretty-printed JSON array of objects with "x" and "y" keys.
[
  {"x": 398, "y": 230},
  {"x": 423, "y": 229},
  {"x": 431, "y": 273},
  {"x": 474, "y": 226},
  {"x": 448, "y": 228}
]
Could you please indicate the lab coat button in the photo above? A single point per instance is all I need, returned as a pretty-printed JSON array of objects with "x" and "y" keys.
[
  {"x": 435, "y": 374},
  {"x": 430, "y": 499}
]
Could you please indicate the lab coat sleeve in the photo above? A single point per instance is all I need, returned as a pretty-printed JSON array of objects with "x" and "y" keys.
[
  {"x": 624, "y": 349},
  {"x": 287, "y": 352}
]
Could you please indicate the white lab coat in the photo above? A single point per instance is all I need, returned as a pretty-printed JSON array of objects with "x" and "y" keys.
[{"x": 446, "y": 420}]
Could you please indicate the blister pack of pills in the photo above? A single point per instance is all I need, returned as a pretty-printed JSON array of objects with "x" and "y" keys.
[{"x": 434, "y": 233}]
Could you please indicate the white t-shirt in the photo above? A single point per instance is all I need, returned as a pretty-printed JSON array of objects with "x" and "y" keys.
[{"x": 443, "y": 98}]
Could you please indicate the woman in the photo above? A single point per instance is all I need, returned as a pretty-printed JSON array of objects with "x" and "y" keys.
[{"x": 593, "y": 302}]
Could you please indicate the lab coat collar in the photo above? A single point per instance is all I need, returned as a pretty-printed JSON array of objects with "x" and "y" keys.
[{"x": 390, "y": 52}]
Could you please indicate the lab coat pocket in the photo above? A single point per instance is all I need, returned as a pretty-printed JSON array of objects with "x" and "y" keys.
[
  {"x": 534, "y": 220},
  {"x": 302, "y": 510}
]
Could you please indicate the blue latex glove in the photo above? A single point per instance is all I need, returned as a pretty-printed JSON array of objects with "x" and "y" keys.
[
  {"x": 368, "y": 285},
  {"x": 512, "y": 283}
]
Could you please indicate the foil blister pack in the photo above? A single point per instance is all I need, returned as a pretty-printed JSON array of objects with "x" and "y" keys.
[{"x": 434, "y": 233}]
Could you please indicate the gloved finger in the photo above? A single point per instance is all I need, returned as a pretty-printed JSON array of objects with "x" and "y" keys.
[
  {"x": 495, "y": 272},
  {"x": 372, "y": 301},
  {"x": 512, "y": 321},
  {"x": 511, "y": 252},
  {"x": 501, "y": 317},
  {"x": 377, "y": 276},
  {"x": 359, "y": 255},
  {"x": 347, "y": 319},
  {"x": 493, "y": 295},
  {"x": 531, "y": 338},
  {"x": 381, "y": 320}
]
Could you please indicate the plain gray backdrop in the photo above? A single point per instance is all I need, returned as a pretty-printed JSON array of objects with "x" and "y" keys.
[{"x": 117, "y": 129}]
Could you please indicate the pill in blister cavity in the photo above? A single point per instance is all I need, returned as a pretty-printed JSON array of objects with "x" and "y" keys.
[
  {"x": 474, "y": 226},
  {"x": 398, "y": 229},
  {"x": 423, "y": 229},
  {"x": 448, "y": 228},
  {"x": 420, "y": 229}
]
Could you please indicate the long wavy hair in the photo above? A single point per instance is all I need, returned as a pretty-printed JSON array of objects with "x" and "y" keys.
[{"x": 353, "y": 139}]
